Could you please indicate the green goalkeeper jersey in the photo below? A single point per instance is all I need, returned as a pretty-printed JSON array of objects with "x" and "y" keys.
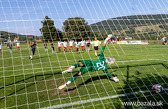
[
  {"x": 97, "y": 65},
  {"x": 100, "y": 64}
]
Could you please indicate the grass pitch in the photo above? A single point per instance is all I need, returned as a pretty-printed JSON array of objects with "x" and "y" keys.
[{"x": 33, "y": 84}]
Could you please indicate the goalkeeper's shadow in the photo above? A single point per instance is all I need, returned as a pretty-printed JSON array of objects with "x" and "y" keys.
[{"x": 88, "y": 81}]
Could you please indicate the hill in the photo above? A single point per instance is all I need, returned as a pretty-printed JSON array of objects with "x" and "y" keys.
[
  {"x": 128, "y": 23},
  {"x": 5, "y": 35}
]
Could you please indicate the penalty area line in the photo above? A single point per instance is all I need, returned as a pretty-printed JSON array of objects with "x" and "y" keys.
[{"x": 94, "y": 99}]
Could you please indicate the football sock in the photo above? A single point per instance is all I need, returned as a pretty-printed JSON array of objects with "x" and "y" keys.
[
  {"x": 68, "y": 82},
  {"x": 31, "y": 57},
  {"x": 96, "y": 53}
]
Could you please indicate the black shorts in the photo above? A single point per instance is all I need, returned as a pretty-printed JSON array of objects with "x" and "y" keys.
[
  {"x": 33, "y": 51},
  {"x": 53, "y": 48},
  {"x": 95, "y": 47},
  {"x": 88, "y": 45}
]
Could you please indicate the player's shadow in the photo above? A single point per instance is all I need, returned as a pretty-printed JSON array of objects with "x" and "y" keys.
[
  {"x": 41, "y": 57},
  {"x": 33, "y": 78},
  {"x": 88, "y": 81}
]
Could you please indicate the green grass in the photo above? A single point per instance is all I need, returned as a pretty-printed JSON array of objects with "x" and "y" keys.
[{"x": 33, "y": 84}]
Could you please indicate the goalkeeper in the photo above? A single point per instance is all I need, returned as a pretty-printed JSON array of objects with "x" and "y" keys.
[{"x": 89, "y": 65}]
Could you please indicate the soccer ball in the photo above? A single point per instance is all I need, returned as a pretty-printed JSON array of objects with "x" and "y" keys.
[{"x": 157, "y": 88}]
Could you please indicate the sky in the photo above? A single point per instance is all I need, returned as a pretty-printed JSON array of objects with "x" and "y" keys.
[{"x": 25, "y": 16}]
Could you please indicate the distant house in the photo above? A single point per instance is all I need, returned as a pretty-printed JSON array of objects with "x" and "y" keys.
[
  {"x": 16, "y": 40},
  {"x": 30, "y": 37},
  {"x": 39, "y": 40},
  {"x": 129, "y": 38}
]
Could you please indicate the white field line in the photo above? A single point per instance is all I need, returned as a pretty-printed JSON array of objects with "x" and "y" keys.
[{"x": 94, "y": 99}]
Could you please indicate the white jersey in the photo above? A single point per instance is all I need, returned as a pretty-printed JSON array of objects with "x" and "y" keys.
[
  {"x": 77, "y": 45},
  {"x": 18, "y": 44},
  {"x": 163, "y": 39},
  {"x": 0, "y": 46},
  {"x": 65, "y": 44},
  {"x": 59, "y": 44},
  {"x": 71, "y": 43},
  {"x": 82, "y": 43}
]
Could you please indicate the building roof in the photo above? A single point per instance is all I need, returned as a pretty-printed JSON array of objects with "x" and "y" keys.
[
  {"x": 39, "y": 40},
  {"x": 16, "y": 38}
]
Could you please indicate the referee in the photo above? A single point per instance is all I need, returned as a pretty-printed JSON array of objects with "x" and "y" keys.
[{"x": 96, "y": 45}]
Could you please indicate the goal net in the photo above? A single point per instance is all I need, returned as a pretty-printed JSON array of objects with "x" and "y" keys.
[{"x": 41, "y": 39}]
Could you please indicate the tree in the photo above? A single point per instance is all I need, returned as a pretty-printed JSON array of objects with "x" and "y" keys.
[
  {"x": 59, "y": 34},
  {"x": 76, "y": 28},
  {"x": 48, "y": 30}
]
